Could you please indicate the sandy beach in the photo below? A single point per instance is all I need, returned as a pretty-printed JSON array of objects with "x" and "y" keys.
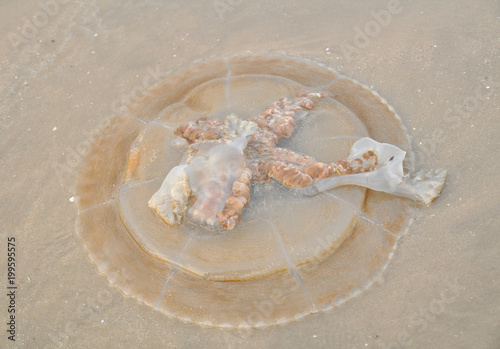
[{"x": 68, "y": 66}]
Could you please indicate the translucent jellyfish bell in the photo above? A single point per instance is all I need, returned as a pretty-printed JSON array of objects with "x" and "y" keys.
[{"x": 291, "y": 255}]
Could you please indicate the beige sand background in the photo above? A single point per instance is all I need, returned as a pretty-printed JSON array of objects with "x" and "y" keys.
[{"x": 65, "y": 66}]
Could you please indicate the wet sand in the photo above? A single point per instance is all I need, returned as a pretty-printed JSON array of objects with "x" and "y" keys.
[{"x": 67, "y": 66}]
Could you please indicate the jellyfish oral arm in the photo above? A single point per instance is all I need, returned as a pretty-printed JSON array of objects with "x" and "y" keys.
[
  {"x": 387, "y": 176},
  {"x": 214, "y": 178},
  {"x": 211, "y": 175},
  {"x": 425, "y": 186},
  {"x": 237, "y": 200},
  {"x": 170, "y": 202},
  {"x": 224, "y": 157}
]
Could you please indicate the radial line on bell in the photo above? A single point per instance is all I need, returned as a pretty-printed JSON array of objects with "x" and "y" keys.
[
  {"x": 96, "y": 205},
  {"x": 172, "y": 273},
  {"x": 291, "y": 267},
  {"x": 361, "y": 214}
]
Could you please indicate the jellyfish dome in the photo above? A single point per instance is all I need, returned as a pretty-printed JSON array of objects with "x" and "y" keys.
[{"x": 249, "y": 191}]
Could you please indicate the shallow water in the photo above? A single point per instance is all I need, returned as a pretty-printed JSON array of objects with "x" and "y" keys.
[{"x": 65, "y": 68}]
